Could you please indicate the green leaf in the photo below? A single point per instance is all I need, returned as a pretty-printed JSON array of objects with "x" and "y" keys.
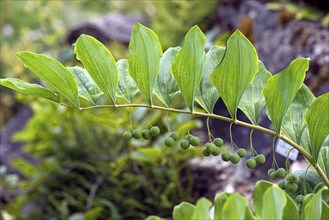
[
  {"x": 202, "y": 210},
  {"x": 317, "y": 120},
  {"x": 165, "y": 86},
  {"x": 293, "y": 124},
  {"x": 260, "y": 188},
  {"x": 253, "y": 102},
  {"x": 323, "y": 160},
  {"x": 86, "y": 85},
  {"x": 236, "y": 207},
  {"x": 236, "y": 71},
  {"x": 188, "y": 64},
  {"x": 325, "y": 211},
  {"x": 144, "y": 60},
  {"x": 183, "y": 211},
  {"x": 220, "y": 200},
  {"x": 127, "y": 88},
  {"x": 312, "y": 208},
  {"x": 280, "y": 90},
  {"x": 53, "y": 73},
  {"x": 28, "y": 88},
  {"x": 99, "y": 63},
  {"x": 275, "y": 202},
  {"x": 207, "y": 94},
  {"x": 153, "y": 217}
]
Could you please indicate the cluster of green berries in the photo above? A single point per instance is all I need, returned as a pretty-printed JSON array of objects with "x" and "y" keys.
[
  {"x": 213, "y": 147},
  {"x": 189, "y": 140},
  {"x": 290, "y": 184},
  {"x": 234, "y": 157},
  {"x": 275, "y": 174},
  {"x": 252, "y": 162},
  {"x": 170, "y": 141},
  {"x": 147, "y": 134}
]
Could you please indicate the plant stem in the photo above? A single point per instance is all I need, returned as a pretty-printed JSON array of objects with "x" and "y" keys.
[{"x": 307, "y": 156}]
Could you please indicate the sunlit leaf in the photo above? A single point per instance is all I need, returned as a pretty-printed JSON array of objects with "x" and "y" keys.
[
  {"x": 165, "y": 86},
  {"x": 323, "y": 159},
  {"x": 207, "y": 94},
  {"x": 236, "y": 207},
  {"x": 28, "y": 88},
  {"x": 53, "y": 73},
  {"x": 317, "y": 120},
  {"x": 220, "y": 200},
  {"x": 99, "y": 63},
  {"x": 280, "y": 90},
  {"x": 127, "y": 88},
  {"x": 202, "y": 208},
  {"x": 144, "y": 60},
  {"x": 188, "y": 64},
  {"x": 183, "y": 211},
  {"x": 272, "y": 209},
  {"x": 312, "y": 207},
  {"x": 236, "y": 71},
  {"x": 253, "y": 102},
  {"x": 87, "y": 87}
]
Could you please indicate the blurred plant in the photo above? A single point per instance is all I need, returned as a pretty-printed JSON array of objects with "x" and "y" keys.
[{"x": 87, "y": 169}]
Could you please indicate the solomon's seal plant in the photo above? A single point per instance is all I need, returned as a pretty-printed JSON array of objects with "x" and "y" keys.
[{"x": 233, "y": 73}]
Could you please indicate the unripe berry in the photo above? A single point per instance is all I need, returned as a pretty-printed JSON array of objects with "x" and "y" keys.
[
  {"x": 216, "y": 151},
  {"x": 174, "y": 136},
  {"x": 291, "y": 187},
  {"x": 205, "y": 152},
  {"x": 235, "y": 158},
  {"x": 188, "y": 137},
  {"x": 146, "y": 134},
  {"x": 292, "y": 178},
  {"x": 273, "y": 175},
  {"x": 169, "y": 142},
  {"x": 299, "y": 199},
  {"x": 282, "y": 185},
  {"x": 251, "y": 163},
  {"x": 270, "y": 171},
  {"x": 185, "y": 144},
  {"x": 154, "y": 131},
  {"x": 195, "y": 141},
  {"x": 210, "y": 147},
  {"x": 242, "y": 153},
  {"x": 260, "y": 159},
  {"x": 295, "y": 177},
  {"x": 281, "y": 172},
  {"x": 218, "y": 142},
  {"x": 127, "y": 135},
  {"x": 226, "y": 156},
  {"x": 137, "y": 134}
]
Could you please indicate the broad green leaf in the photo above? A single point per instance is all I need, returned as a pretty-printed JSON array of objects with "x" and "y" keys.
[
  {"x": 165, "y": 86},
  {"x": 153, "y": 217},
  {"x": 253, "y": 102},
  {"x": 183, "y": 211},
  {"x": 127, "y": 88},
  {"x": 323, "y": 160},
  {"x": 280, "y": 90},
  {"x": 312, "y": 208},
  {"x": 188, "y": 64},
  {"x": 53, "y": 73},
  {"x": 28, "y": 88},
  {"x": 260, "y": 188},
  {"x": 293, "y": 124},
  {"x": 236, "y": 207},
  {"x": 207, "y": 94},
  {"x": 274, "y": 203},
  {"x": 220, "y": 200},
  {"x": 87, "y": 87},
  {"x": 144, "y": 60},
  {"x": 99, "y": 63},
  {"x": 317, "y": 120},
  {"x": 325, "y": 211},
  {"x": 202, "y": 208},
  {"x": 236, "y": 71}
]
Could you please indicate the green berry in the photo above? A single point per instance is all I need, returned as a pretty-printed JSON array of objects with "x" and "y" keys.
[
  {"x": 210, "y": 147},
  {"x": 127, "y": 135},
  {"x": 146, "y": 134},
  {"x": 195, "y": 141},
  {"x": 205, "y": 152},
  {"x": 291, "y": 187},
  {"x": 251, "y": 163},
  {"x": 290, "y": 178},
  {"x": 299, "y": 199},
  {"x": 137, "y": 134},
  {"x": 185, "y": 144},
  {"x": 295, "y": 177},
  {"x": 273, "y": 175},
  {"x": 216, "y": 151},
  {"x": 174, "y": 136},
  {"x": 235, "y": 158},
  {"x": 270, "y": 171},
  {"x": 281, "y": 172},
  {"x": 169, "y": 141},
  {"x": 281, "y": 185},
  {"x": 188, "y": 137},
  {"x": 218, "y": 142},
  {"x": 242, "y": 153},
  {"x": 260, "y": 159},
  {"x": 155, "y": 131},
  {"x": 226, "y": 156}
]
